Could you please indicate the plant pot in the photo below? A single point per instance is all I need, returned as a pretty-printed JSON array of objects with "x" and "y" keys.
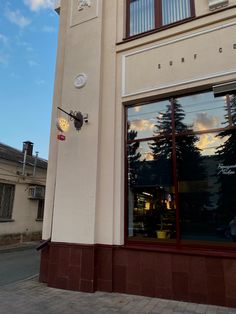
[{"x": 161, "y": 234}]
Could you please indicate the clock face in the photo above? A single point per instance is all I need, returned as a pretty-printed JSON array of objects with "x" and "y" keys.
[{"x": 62, "y": 124}]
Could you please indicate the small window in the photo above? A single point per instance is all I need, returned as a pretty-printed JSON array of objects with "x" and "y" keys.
[
  {"x": 146, "y": 15},
  {"x": 7, "y": 192},
  {"x": 40, "y": 210}
]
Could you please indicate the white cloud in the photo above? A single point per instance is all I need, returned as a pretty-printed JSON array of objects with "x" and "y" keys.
[
  {"x": 3, "y": 39},
  {"x": 32, "y": 63},
  {"x": 141, "y": 125},
  {"x": 48, "y": 29},
  {"x": 40, "y": 82},
  {"x": 204, "y": 122},
  {"x": 4, "y": 59},
  {"x": 148, "y": 156},
  {"x": 15, "y": 75},
  {"x": 208, "y": 143},
  {"x": 16, "y": 17},
  {"x": 24, "y": 44},
  {"x": 36, "y": 5}
]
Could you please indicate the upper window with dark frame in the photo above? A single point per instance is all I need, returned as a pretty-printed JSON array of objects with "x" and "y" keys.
[
  {"x": 7, "y": 192},
  {"x": 146, "y": 15}
]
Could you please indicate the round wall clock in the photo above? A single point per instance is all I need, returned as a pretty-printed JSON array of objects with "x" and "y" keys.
[{"x": 62, "y": 124}]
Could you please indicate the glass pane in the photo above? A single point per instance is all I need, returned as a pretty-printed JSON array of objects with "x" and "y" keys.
[
  {"x": 151, "y": 200},
  {"x": 148, "y": 120},
  {"x": 175, "y": 10},
  {"x": 40, "y": 209},
  {"x": 202, "y": 112},
  {"x": 6, "y": 198},
  {"x": 141, "y": 16},
  {"x": 232, "y": 109},
  {"x": 206, "y": 169}
]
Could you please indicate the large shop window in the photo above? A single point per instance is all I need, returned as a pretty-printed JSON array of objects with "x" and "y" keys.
[
  {"x": 7, "y": 192},
  {"x": 181, "y": 169},
  {"x": 146, "y": 15}
]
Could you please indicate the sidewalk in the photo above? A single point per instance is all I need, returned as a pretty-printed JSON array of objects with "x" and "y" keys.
[
  {"x": 31, "y": 297},
  {"x": 17, "y": 247}
]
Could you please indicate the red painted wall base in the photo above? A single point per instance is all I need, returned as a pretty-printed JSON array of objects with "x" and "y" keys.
[{"x": 88, "y": 268}]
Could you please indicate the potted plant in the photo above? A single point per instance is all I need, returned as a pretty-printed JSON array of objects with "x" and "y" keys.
[{"x": 161, "y": 209}]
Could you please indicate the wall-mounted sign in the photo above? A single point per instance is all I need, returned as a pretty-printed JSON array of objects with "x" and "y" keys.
[
  {"x": 80, "y": 80},
  {"x": 227, "y": 170},
  {"x": 191, "y": 58},
  {"x": 61, "y": 137}
]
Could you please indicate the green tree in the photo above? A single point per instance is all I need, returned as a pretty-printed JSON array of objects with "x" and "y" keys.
[
  {"x": 190, "y": 169},
  {"x": 188, "y": 156},
  {"x": 133, "y": 156}
]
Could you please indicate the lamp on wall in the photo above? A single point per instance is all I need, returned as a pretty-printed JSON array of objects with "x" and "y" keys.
[
  {"x": 223, "y": 89},
  {"x": 217, "y": 4},
  {"x": 63, "y": 124}
]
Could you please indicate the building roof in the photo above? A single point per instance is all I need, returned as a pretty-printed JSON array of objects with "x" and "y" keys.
[{"x": 12, "y": 154}]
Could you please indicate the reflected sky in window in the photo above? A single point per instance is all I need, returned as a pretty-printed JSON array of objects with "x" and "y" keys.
[{"x": 202, "y": 112}]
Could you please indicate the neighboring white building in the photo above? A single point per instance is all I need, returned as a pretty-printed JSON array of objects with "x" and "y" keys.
[{"x": 22, "y": 189}]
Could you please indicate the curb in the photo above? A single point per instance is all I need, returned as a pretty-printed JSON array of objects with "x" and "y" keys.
[
  {"x": 18, "y": 248},
  {"x": 32, "y": 277}
]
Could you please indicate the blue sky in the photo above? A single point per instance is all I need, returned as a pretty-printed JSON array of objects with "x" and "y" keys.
[{"x": 28, "y": 43}]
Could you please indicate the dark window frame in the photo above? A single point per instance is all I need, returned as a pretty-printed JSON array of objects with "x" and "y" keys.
[
  {"x": 158, "y": 18},
  {"x": 196, "y": 247},
  {"x": 40, "y": 210},
  {"x": 6, "y": 215}
]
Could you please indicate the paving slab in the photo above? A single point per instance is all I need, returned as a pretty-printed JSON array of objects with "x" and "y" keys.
[{"x": 31, "y": 297}]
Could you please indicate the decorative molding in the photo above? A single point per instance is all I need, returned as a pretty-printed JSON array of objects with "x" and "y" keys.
[
  {"x": 83, "y": 3},
  {"x": 195, "y": 80},
  {"x": 83, "y": 11},
  {"x": 80, "y": 80}
]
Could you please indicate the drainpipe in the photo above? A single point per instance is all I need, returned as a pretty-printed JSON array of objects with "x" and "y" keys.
[
  {"x": 35, "y": 163},
  {"x": 24, "y": 162}
]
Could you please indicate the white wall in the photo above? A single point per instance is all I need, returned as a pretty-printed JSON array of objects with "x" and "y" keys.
[{"x": 24, "y": 212}]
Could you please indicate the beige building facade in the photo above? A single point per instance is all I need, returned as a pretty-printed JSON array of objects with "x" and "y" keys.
[
  {"x": 156, "y": 82},
  {"x": 22, "y": 189}
]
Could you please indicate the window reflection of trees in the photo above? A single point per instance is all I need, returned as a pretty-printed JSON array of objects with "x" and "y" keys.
[
  {"x": 226, "y": 153},
  {"x": 189, "y": 168},
  {"x": 206, "y": 197}
]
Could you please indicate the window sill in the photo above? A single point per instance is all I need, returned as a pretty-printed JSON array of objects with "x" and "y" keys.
[
  {"x": 39, "y": 219},
  {"x": 6, "y": 220},
  {"x": 197, "y": 249}
]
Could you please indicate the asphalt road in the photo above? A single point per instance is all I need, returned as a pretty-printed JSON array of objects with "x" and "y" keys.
[{"x": 18, "y": 265}]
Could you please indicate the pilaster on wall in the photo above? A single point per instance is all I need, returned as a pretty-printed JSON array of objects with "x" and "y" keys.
[
  {"x": 77, "y": 157},
  {"x": 108, "y": 139},
  {"x": 53, "y": 148}
]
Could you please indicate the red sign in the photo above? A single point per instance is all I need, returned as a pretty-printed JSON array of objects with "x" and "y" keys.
[{"x": 61, "y": 137}]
